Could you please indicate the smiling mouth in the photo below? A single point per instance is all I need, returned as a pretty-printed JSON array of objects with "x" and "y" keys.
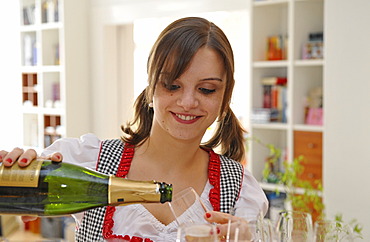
[{"x": 185, "y": 117}]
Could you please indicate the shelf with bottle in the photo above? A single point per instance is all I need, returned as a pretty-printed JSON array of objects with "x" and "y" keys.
[
  {"x": 50, "y": 47},
  {"x": 308, "y": 35},
  {"x": 51, "y": 91},
  {"x": 40, "y": 48},
  {"x": 29, "y": 48},
  {"x": 50, "y": 11},
  {"x": 271, "y": 31},
  {"x": 28, "y": 12}
]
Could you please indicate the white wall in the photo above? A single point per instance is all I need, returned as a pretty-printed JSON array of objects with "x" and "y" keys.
[
  {"x": 347, "y": 101},
  {"x": 10, "y": 79}
]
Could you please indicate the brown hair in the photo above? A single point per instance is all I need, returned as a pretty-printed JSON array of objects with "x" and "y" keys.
[{"x": 172, "y": 53}]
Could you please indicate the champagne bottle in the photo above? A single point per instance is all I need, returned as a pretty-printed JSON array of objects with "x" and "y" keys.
[{"x": 46, "y": 188}]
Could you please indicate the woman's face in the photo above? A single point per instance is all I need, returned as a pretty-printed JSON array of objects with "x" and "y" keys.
[{"x": 186, "y": 108}]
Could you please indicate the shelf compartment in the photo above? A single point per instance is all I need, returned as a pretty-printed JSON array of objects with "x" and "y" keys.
[
  {"x": 306, "y": 78},
  {"x": 258, "y": 149},
  {"x": 50, "y": 11},
  {"x": 276, "y": 24},
  {"x": 52, "y": 127},
  {"x": 28, "y": 10},
  {"x": 51, "y": 90},
  {"x": 309, "y": 18},
  {"x": 258, "y": 90},
  {"x": 29, "y": 48},
  {"x": 29, "y": 89},
  {"x": 50, "y": 47}
]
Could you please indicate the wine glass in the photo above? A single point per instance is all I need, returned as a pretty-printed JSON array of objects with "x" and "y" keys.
[
  {"x": 251, "y": 229},
  {"x": 188, "y": 211},
  {"x": 328, "y": 230},
  {"x": 294, "y": 226}
]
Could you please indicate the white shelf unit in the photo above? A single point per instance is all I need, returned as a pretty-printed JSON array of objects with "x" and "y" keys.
[
  {"x": 295, "y": 19},
  {"x": 54, "y": 67}
]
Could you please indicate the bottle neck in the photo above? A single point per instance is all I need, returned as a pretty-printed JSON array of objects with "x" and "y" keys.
[{"x": 123, "y": 191}]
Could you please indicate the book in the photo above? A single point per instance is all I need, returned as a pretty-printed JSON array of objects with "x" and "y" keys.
[
  {"x": 274, "y": 80},
  {"x": 274, "y": 96}
]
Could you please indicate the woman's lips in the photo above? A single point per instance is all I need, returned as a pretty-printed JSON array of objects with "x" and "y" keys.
[{"x": 186, "y": 119}]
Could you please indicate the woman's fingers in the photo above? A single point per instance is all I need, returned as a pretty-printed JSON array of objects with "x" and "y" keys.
[
  {"x": 12, "y": 156},
  {"x": 57, "y": 157},
  {"x": 218, "y": 217},
  {"x": 3, "y": 153},
  {"x": 26, "y": 158},
  {"x": 229, "y": 225}
]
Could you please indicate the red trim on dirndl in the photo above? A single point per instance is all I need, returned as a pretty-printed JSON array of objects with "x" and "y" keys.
[{"x": 214, "y": 167}]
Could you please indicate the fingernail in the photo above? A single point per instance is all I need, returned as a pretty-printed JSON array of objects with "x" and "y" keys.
[
  {"x": 208, "y": 215},
  {"x": 24, "y": 160},
  {"x": 57, "y": 156},
  {"x": 1, "y": 158},
  {"x": 218, "y": 230},
  {"x": 9, "y": 160}
]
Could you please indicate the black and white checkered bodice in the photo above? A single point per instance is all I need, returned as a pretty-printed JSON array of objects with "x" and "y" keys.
[{"x": 225, "y": 175}]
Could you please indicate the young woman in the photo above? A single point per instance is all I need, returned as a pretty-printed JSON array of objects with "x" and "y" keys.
[{"x": 190, "y": 83}]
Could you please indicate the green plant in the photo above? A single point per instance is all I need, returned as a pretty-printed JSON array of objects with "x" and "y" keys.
[
  {"x": 354, "y": 225},
  {"x": 303, "y": 195}
]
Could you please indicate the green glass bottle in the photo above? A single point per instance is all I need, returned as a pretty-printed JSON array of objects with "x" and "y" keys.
[{"x": 47, "y": 188}]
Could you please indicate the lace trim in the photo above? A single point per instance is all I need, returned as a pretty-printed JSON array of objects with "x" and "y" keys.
[
  {"x": 124, "y": 167},
  {"x": 214, "y": 168}
]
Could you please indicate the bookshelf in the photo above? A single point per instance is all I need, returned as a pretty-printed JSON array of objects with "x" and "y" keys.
[
  {"x": 293, "y": 25},
  {"x": 53, "y": 70}
]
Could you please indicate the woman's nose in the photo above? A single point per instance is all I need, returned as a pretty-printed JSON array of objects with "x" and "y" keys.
[{"x": 188, "y": 100}]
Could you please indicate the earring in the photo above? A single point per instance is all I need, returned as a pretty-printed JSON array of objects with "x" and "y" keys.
[{"x": 150, "y": 105}]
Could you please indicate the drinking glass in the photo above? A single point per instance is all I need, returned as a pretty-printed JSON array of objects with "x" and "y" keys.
[
  {"x": 294, "y": 226},
  {"x": 328, "y": 230},
  {"x": 188, "y": 211},
  {"x": 252, "y": 229}
]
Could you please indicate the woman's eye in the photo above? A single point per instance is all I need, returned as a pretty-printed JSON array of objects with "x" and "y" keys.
[
  {"x": 172, "y": 87},
  {"x": 206, "y": 90}
]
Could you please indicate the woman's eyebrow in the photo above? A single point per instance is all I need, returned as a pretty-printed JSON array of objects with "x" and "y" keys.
[{"x": 212, "y": 78}]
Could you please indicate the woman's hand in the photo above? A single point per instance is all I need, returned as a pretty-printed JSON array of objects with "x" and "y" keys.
[
  {"x": 236, "y": 227},
  {"x": 24, "y": 158}
]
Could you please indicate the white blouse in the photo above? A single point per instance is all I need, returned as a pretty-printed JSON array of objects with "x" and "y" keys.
[{"x": 136, "y": 219}]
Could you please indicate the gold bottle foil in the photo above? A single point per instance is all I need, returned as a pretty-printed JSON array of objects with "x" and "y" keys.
[
  {"x": 123, "y": 191},
  {"x": 16, "y": 176}
]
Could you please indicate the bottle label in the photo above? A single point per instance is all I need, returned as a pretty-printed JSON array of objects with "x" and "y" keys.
[{"x": 16, "y": 176}]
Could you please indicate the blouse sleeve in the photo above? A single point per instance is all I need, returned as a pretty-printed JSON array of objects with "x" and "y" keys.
[
  {"x": 252, "y": 199},
  {"x": 83, "y": 151}
]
